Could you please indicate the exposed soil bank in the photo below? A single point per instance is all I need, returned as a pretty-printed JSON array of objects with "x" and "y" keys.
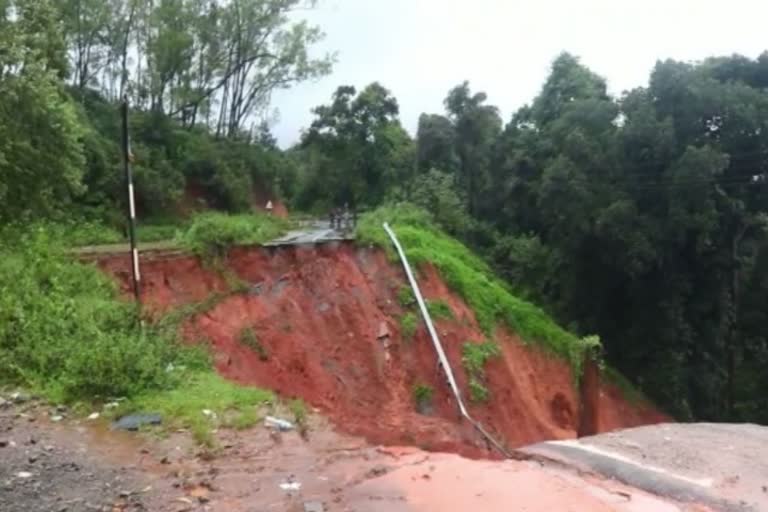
[{"x": 318, "y": 312}]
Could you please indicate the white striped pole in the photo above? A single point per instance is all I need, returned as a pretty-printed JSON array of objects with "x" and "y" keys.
[{"x": 127, "y": 158}]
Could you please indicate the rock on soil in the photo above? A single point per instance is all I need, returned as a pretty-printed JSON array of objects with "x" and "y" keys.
[{"x": 136, "y": 421}]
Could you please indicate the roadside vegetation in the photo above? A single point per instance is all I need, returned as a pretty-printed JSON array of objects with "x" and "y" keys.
[
  {"x": 67, "y": 336},
  {"x": 491, "y": 300},
  {"x": 210, "y": 234},
  {"x": 203, "y": 403}
]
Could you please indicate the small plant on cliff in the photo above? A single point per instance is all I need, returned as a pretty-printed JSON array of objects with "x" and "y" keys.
[
  {"x": 478, "y": 392},
  {"x": 249, "y": 339},
  {"x": 408, "y": 324},
  {"x": 474, "y": 356},
  {"x": 439, "y": 309},
  {"x": 300, "y": 416},
  {"x": 405, "y": 297},
  {"x": 422, "y": 396}
]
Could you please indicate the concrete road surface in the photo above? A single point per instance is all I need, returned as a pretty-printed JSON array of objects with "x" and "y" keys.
[
  {"x": 721, "y": 466},
  {"x": 312, "y": 232}
]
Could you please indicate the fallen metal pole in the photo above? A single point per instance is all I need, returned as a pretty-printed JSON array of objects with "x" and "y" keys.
[{"x": 442, "y": 358}]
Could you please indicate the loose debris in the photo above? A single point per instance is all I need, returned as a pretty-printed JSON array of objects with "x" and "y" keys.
[{"x": 135, "y": 421}]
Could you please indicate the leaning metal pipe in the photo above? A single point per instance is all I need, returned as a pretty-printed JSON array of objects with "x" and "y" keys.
[{"x": 442, "y": 358}]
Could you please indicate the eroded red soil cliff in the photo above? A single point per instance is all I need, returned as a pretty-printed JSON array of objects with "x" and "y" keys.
[{"x": 318, "y": 313}]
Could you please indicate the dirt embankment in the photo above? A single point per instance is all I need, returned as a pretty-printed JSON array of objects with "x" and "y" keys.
[{"x": 318, "y": 314}]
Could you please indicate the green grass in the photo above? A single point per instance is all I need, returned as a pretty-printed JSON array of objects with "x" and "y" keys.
[
  {"x": 422, "y": 395},
  {"x": 65, "y": 333},
  {"x": 439, "y": 309},
  {"x": 409, "y": 322},
  {"x": 405, "y": 297},
  {"x": 88, "y": 233},
  {"x": 210, "y": 234},
  {"x": 183, "y": 406},
  {"x": 245, "y": 419},
  {"x": 177, "y": 316},
  {"x": 299, "y": 410},
  {"x": 474, "y": 356},
  {"x": 156, "y": 232},
  {"x": 82, "y": 233},
  {"x": 300, "y": 415},
  {"x": 249, "y": 339},
  {"x": 468, "y": 275}
]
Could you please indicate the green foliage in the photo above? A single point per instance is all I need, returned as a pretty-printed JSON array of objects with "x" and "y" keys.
[
  {"x": 300, "y": 415},
  {"x": 409, "y": 322},
  {"x": 473, "y": 358},
  {"x": 41, "y": 156},
  {"x": 356, "y": 151},
  {"x": 405, "y": 297},
  {"x": 469, "y": 276},
  {"x": 299, "y": 411},
  {"x": 156, "y": 232},
  {"x": 422, "y": 395},
  {"x": 475, "y": 355},
  {"x": 80, "y": 234},
  {"x": 249, "y": 339},
  {"x": 64, "y": 332},
  {"x": 210, "y": 234},
  {"x": 435, "y": 144},
  {"x": 177, "y": 316},
  {"x": 244, "y": 419},
  {"x": 370, "y": 230},
  {"x": 183, "y": 406},
  {"x": 435, "y": 191},
  {"x": 478, "y": 392},
  {"x": 477, "y": 127},
  {"x": 439, "y": 309}
]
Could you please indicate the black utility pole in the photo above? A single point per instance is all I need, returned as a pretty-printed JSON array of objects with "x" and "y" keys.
[{"x": 127, "y": 159}]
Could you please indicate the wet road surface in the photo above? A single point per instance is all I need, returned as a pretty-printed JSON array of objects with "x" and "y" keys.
[
  {"x": 258, "y": 470},
  {"x": 722, "y": 466}
]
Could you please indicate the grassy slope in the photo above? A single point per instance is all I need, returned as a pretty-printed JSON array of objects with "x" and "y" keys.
[
  {"x": 66, "y": 334},
  {"x": 491, "y": 299},
  {"x": 470, "y": 277}
]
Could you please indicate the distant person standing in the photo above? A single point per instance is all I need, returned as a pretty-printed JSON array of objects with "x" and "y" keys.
[
  {"x": 269, "y": 207},
  {"x": 346, "y": 215}
]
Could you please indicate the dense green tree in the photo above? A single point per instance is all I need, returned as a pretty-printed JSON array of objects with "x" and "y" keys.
[
  {"x": 436, "y": 147},
  {"x": 41, "y": 158},
  {"x": 476, "y": 127},
  {"x": 357, "y": 149},
  {"x": 650, "y": 211}
]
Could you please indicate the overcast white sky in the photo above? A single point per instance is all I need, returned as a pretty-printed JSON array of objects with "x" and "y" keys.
[{"x": 419, "y": 49}]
